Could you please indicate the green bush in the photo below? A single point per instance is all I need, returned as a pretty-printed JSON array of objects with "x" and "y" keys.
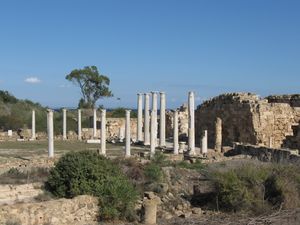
[
  {"x": 89, "y": 173},
  {"x": 153, "y": 170},
  {"x": 257, "y": 188},
  {"x": 120, "y": 113},
  {"x": 198, "y": 165}
]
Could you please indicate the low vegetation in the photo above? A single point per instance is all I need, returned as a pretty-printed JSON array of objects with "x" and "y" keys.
[
  {"x": 88, "y": 173},
  {"x": 257, "y": 188},
  {"x": 15, "y": 176}
]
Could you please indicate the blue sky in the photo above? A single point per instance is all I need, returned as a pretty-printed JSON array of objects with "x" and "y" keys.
[{"x": 210, "y": 47}]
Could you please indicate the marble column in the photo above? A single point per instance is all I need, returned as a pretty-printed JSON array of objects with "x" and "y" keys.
[
  {"x": 154, "y": 110},
  {"x": 152, "y": 134},
  {"x": 127, "y": 134},
  {"x": 64, "y": 124},
  {"x": 175, "y": 133},
  {"x": 218, "y": 135},
  {"x": 270, "y": 142},
  {"x": 204, "y": 142},
  {"x": 95, "y": 123},
  {"x": 140, "y": 118},
  {"x": 50, "y": 130},
  {"x": 79, "y": 125},
  {"x": 147, "y": 119},
  {"x": 121, "y": 134},
  {"x": 103, "y": 132},
  {"x": 162, "y": 127},
  {"x": 191, "y": 129},
  {"x": 33, "y": 136}
]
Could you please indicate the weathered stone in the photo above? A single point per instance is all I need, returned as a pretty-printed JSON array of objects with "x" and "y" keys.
[
  {"x": 127, "y": 135},
  {"x": 80, "y": 210},
  {"x": 140, "y": 118},
  {"x": 150, "y": 212},
  {"x": 248, "y": 119},
  {"x": 50, "y": 133},
  {"x": 218, "y": 135}
]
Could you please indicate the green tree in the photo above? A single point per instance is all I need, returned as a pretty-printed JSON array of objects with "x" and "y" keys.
[{"x": 93, "y": 85}]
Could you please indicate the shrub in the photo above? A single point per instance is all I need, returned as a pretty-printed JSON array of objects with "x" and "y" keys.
[
  {"x": 15, "y": 176},
  {"x": 88, "y": 173},
  {"x": 153, "y": 171},
  {"x": 258, "y": 188},
  {"x": 120, "y": 113},
  {"x": 198, "y": 165}
]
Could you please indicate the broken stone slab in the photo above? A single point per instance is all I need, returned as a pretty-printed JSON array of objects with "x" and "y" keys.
[
  {"x": 9, "y": 133},
  {"x": 93, "y": 141},
  {"x": 20, "y": 139}
]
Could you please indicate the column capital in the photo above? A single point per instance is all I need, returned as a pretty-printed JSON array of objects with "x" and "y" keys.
[
  {"x": 139, "y": 94},
  {"x": 49, "y": 110},
  {"x": 162, "y": 93}
]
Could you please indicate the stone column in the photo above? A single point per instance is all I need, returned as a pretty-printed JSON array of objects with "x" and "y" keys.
[
  {"x": 121, "y": 134},
  {"x": 270, "y": 142},
  {"x": 150, "y": 212},
  {"x": 103, "y": 132},
  {"x": 147, "y": 120},
  {"x": 64, "y": 124},
  {"x": 79, "y": 125},
  {"x": 191, "y": 129},
  {"x": 218, "y": 135},
  {"x": 175, "y": 134},
  {"x": 33, "y": 136},
  {"x": 127, "y": 133},
  {"x": 95, "y": 124},
  {"x": 154, "y": 110},
  {"x": 204, "y": 142},
  {"x": 152, "y": 134},
  {"x": 50, "y": 133},
  {"x": 140, "y": 118},
  {"x": 162, "y": 127}
]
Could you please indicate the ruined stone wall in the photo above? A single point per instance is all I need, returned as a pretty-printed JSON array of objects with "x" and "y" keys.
[
  {"x": 81, "y": 210},
  {"x": 293, "y": 141},
  {"x": 182, "y": 122},
  {"x": 235, "y": 110},
  {"x": 292, "y": 100},
  {"x": 113, "y": 128},
  {"x": 266, "y": 154},
  {"x": 273, "y": 122},
  {"x": 247, "y": 119}
]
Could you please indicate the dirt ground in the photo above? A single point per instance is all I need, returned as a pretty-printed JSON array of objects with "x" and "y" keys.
[{"x": 14, "y": 154}]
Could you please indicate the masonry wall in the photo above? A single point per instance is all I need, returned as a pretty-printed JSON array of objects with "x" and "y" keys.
[
  {"x": 235, "y": 110},
  {"x": 247, "y": 119},
  {"x": 78, "y": 211}
]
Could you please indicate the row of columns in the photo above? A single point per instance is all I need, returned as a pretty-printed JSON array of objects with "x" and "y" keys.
[
  {"x": 50, "y": 129},
  {"x": 150, "y": 132},
  {"x": 148, "y": 138},
  {"x": 33, "y": 130},
  {"x": 153, "y": 127}
]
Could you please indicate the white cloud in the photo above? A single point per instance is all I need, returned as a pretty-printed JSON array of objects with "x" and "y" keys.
[{"x": 32, "y": 80}]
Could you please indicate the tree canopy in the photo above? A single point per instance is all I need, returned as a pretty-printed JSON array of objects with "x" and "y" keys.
[{"x": 93, "y": 85}]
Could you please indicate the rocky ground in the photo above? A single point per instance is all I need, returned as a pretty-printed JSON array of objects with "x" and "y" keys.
[{"x": 25, "y": 199}]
